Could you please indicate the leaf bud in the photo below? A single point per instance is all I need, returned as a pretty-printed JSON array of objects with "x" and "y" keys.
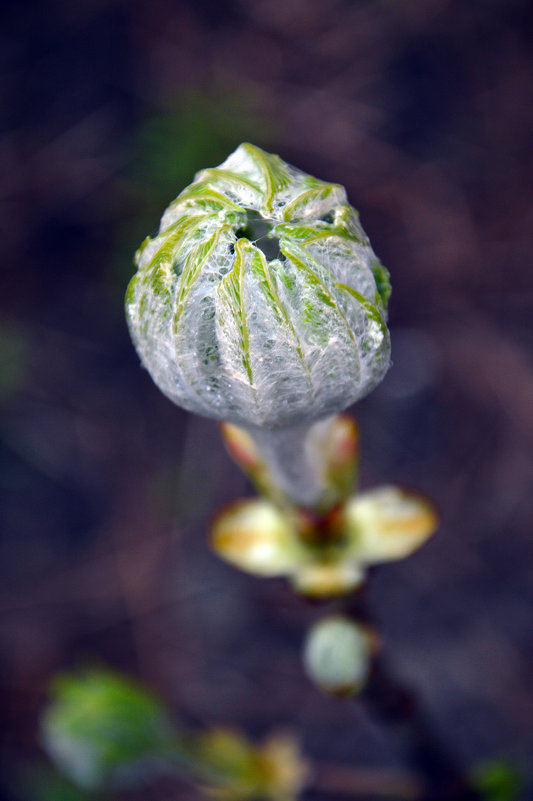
[
  {"x": 337, "y": 655},
  {"x": 260, "y": 302}
]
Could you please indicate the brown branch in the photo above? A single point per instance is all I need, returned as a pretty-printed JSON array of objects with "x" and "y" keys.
[
  {"x": 351, "y": 783},
  {"x": 398, "y": 709}
]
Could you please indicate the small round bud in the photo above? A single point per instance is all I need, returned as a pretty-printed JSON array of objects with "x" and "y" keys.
[
  {"x": 260, "y": 302},
  {"x": 337, "y": 655}
]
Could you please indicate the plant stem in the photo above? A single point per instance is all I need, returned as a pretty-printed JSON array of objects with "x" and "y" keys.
[
  {"x": 337, "y": 780},
  {"x": 294, "y": 460},
  {"x": 398, "y": 708}
]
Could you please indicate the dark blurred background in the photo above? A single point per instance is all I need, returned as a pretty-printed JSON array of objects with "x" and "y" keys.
[{"x": 423, "y": 110}]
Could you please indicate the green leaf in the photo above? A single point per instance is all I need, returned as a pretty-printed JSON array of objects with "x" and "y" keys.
[
  {"x": 231, "y": 295},
  {"x": 320, "y": 196},
  {"x": 103, "y": 729},
  {"x": 275, "y": 173},
  {"x": 382, "y": 279}
]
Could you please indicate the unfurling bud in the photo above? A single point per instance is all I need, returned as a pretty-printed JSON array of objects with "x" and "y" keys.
[
  {"x": 323, "y": 555},
  {"x": 261, "y": 303},
  {"x": 337, "y": 655}
]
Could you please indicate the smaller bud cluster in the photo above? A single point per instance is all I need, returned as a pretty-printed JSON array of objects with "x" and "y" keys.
[
  {"x": 325, "y": 553},
  {"x": 338, "y": 655}
]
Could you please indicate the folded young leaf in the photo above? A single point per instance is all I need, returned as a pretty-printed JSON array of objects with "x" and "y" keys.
[
  {"x": 387, "y": 523},
  {"x": 256, "y": 537}
]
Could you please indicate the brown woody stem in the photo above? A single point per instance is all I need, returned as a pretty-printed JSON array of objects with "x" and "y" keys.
[{"x": 399, "y": 709}]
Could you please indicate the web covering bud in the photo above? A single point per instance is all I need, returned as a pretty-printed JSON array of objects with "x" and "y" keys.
[{"x": 260, "y": 302}]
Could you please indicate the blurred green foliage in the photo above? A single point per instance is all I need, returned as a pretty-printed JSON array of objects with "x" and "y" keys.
[
  {"x": 13, "y": 360},
  {"x": 498, "y": 780},
  {"x": 241, "y": 771},
  {"x": 199, "y": 133},
  {"x": 102, "y": 730},
  {"x": 168, "y": 148}
]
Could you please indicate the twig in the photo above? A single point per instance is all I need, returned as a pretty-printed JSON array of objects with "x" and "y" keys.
[
  {"x": 352, "y": 783},
  {"x": 398, "y": 709}
]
